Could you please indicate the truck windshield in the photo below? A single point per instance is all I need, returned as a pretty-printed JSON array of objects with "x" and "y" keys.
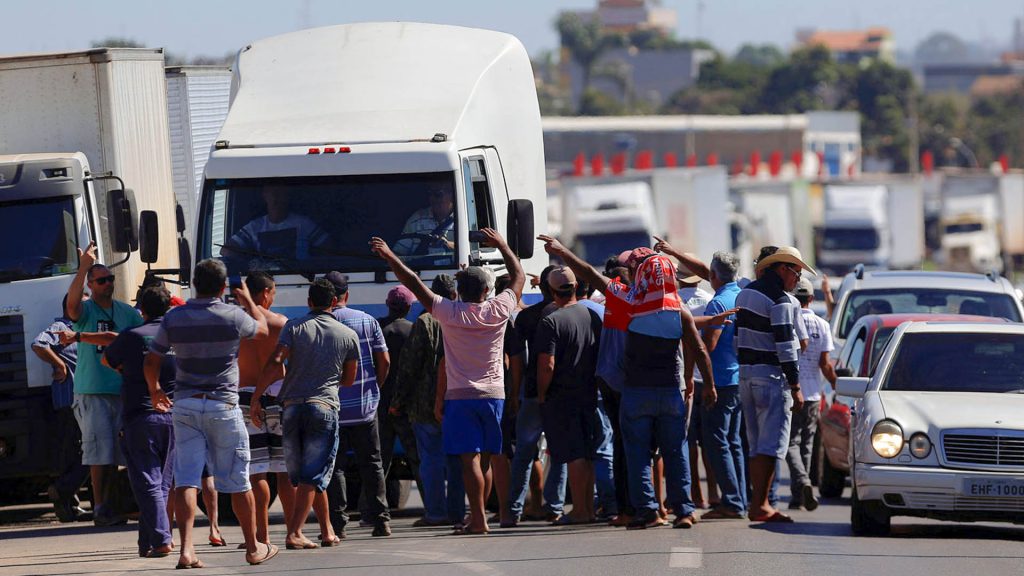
[
  {"x": 312, "y": 225},
  {"x": 596, "y": 248},
  {"x": 926, "y": 300},
  {"x": 37, "y": 238},
  {"x": 958, "y": 362},
  {"x": 850, "y": 239},
  {"x": 963, "y": 228}
]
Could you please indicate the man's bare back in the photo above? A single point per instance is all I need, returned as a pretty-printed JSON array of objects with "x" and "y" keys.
[{"x": 253, "y": 353}]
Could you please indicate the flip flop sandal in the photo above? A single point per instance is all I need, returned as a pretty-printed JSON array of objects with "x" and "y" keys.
[
  {"x": 304, "y": 546},
  {"x": 721, "y": 514},
  {"x": 197, "y": 563},
  {"x": 217, "y": 542},
  {"x": 335, "y": 541},
  {"x": 777, "y": 517},
  {"x": 271, "y": 552}
]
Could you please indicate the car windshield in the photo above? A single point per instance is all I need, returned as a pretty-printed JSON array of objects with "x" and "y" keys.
[
  {"x": 964, "y": 228},
  {"x": 37, "y": 238},
  {"x": 958, "y": 362},
  {"x": 850, "y": 239},
  {"x": 596, "y": 248},
  {"x": 316, "y": 224},
  {"x": 926, "y": 300}
]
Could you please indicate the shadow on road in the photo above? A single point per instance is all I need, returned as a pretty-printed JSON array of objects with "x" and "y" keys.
[{"x": 949, "y": 531}]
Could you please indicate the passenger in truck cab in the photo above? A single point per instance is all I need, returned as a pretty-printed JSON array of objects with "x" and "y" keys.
[
  {"x": 278, "y": 234},
  {"x": 430, "y": 230}
]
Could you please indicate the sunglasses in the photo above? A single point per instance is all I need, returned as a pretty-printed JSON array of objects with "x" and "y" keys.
[{"x": 104, "y": 280}]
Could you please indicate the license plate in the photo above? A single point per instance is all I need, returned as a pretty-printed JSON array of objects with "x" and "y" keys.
[{"x": 993, "y": 487}]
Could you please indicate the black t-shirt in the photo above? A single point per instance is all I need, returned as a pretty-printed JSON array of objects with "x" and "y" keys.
[
  {"x": 396, "y": 332},
  {"x": 571, "y": 335},
  {"x": 526, "y": 326},
  {"x": 127, "y": 352}
]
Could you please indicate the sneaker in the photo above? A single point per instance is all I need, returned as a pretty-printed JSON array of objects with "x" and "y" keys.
[
  {"x": 382, "y": 529},
  {"x": 810, "y": 501}
]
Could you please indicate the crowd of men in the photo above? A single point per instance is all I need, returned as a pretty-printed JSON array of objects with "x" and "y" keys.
[{"x": 630, "y": 373}]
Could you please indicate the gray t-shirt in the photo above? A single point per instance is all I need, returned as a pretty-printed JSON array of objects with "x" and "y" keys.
[{"x": 319, "y": 345}]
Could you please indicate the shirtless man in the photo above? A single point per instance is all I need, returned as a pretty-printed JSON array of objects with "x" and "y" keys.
[{"x": 266, "y": 452}]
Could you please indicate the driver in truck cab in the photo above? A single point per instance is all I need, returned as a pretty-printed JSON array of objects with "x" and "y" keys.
[
  {"x": 430, "y": 230},
  {"x": 278, "y": 234}
]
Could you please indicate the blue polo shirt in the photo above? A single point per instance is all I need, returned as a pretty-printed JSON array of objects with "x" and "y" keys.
[{"x": 724, "y": 362}]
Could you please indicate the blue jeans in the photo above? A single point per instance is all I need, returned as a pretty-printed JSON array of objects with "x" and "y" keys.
[
  {"x": 528, "y": 431},
  {"x": 212, "y": 434},
  {"x": 604, "y": 474},
  {"x": 721, "y": 424},
  {"x": 658, "y": 414},
  {"x": 148, "y": 444},
  {"x": 310, "y": 443},
  {"x": 439, "y": 503}
]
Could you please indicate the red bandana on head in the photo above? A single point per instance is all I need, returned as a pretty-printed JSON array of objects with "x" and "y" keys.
[{"x": 654, "y": 287}]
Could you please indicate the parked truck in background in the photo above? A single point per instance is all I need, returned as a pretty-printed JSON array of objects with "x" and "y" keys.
[
  {"x": 856, "y": 228},
  {"x": 66, "y": 120},
  {"x": 969, "y": 223},
  {"x": 601, "y": 219},
  {"x": 197, "y": 104}
]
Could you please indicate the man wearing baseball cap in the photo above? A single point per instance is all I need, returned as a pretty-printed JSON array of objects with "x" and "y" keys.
[{"x": 768, "y": 352}]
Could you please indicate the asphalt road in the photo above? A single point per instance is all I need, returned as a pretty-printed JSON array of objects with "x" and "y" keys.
[{"x": 819, "y": 542}]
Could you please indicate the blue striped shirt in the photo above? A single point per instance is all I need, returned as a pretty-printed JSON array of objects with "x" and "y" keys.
[
  {"x": 204, "y": 334},
  {"x": 359, "y": 401},
  {"x": 766, "y": 340},
  {"x": 62, "y": 393}
]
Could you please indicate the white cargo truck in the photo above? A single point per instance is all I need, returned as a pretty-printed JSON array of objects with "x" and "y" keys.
[
  {"x": 856, "y": 228},
  {"x": 197, "y": 104},
  {"x": 970, "y": 223},
  {"x": 66, "y": 122},
  {"x": 417, "y": 133},
  {"x": 602, "y": 219}
]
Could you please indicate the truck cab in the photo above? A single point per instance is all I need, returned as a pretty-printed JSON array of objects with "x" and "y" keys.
[{"x": 416, "y": 133}]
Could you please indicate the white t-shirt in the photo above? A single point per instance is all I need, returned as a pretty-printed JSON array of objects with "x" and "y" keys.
[
  {"x": 819, "y": 339},
  {"x": 696, "y": 299}
]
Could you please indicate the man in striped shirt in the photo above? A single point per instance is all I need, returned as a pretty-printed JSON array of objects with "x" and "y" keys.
[{"x": 768, "y": 351}]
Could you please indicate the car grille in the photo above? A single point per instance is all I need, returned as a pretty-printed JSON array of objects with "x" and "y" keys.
[
  {"x": 984, "y": 449},
  {"x": 13, "y": 370},
  {"x": 946, "y": 501}
]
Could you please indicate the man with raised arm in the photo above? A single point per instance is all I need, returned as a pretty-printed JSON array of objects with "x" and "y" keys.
[{"x": 473, "y": 333}]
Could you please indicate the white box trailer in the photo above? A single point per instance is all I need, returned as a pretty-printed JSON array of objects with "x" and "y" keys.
[
  {"x": 109, "y": 104},
  {"x": 197, "y": 104},
  {"x": 693, "y": 209}
]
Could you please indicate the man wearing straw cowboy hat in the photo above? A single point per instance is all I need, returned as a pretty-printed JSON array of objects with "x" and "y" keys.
[{"x": 768, "y": 352}]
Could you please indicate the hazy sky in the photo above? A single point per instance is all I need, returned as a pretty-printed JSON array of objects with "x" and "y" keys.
[{"x": 214, "y": 27}]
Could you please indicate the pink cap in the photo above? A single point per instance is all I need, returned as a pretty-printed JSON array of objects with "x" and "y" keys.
[{"x": 400, "y": 295}]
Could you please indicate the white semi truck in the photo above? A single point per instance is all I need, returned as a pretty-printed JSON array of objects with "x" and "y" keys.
[
  {"x": 970, "y": 223},
  {"x": 75, "y": 130},
  {"x": 362, "y": 130}
]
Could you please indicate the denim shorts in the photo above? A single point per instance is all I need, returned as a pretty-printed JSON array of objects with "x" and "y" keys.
[
  {"x": 766, "y": 412},
  {"x": 471, "y": 426},
  {"x": 210, "y": 433},
  {"x": 310, "y": 443},
  {"x": 99, "y": 418}
]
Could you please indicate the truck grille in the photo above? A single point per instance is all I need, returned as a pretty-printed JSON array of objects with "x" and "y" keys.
[
  {"x": 984, "y": 449},
  {"x": 13, "y": 370}
]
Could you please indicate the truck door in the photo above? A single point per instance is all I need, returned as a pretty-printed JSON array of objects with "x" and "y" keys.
[{"x": 479, "y": 203}]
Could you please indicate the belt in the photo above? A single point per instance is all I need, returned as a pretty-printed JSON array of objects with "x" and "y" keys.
[
  {"x": 203, "y": 396},
  {"x": 294, "y": 401}
]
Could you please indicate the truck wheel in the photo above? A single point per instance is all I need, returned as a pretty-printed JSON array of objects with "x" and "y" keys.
[
  {"x": 831, "y": 482},
  {"x": 869, "y": 518}
]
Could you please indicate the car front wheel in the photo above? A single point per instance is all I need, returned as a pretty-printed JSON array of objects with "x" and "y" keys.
[{"x": 869, "y": 518}]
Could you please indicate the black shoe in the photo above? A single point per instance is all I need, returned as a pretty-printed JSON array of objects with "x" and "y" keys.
[
  {"x": 103, "y": 518},
  {"x": 66, "y": 512},
  {"x": 810, "y": 501},
  {"x": 382, "y": 529}
]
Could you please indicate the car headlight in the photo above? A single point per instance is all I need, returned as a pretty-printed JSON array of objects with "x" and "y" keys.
[
  {"x": 887, "y": 439},
  {"x": 920, "y": 445}
]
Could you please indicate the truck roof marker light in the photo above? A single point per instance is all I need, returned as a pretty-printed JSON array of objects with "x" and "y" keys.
[
  {"x": 329, "y": 150},
  {"x": 344, "y": 150},
  {"x": 313, "y": 151}
]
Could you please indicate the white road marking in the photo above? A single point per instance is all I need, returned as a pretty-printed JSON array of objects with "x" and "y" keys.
[{"x": 683, "y": 557}]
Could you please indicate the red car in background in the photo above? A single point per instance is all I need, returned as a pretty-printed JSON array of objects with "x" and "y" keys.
[{"x": 859, "y": 357}]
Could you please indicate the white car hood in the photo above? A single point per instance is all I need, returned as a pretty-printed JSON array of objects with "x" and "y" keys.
[{"x": 936, "y": 411}]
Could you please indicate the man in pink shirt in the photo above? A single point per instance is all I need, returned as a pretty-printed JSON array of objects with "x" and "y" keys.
[{"x": 473, "y": 332}]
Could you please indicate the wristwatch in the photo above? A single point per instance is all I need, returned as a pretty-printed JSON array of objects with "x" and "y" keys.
[{"x": 78, "y": 336}]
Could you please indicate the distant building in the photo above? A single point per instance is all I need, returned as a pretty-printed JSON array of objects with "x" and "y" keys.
[
  {"x": 828, "y": 144},
  {"x": 630, "y": 15},
  {"x": 852, "y": 46},
  {"x": 961, "y": 78},
  {"x": 631, "y": 75}
]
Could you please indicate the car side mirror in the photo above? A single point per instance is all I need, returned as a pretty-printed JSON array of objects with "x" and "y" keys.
[
  {"x": 149, "y": 236},
  {"x": 122, "y": 214},
  {"x": 520, "y": 228},
  {"x": 852, "y": 387},
  {"x": 844, "y": 372}
]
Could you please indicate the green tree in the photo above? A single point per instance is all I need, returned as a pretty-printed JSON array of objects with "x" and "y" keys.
[
  {"x": 995, "y": 127},
  {"x": 939, "y": 118},
  {"x": 763, "y": 56},
  {"x": 586, "y": 41},
  {"x": 803, "y": 83},
  {"x": 117, "y": 42},
  {"x": 881, "y": 93},
  {"x": 597, "y": 103}
]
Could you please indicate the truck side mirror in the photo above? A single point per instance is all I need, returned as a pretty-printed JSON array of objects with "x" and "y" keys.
[
  {"x": 184, "y": 262},
  {"x": 179, "y": 218},
  {"x": 149, "y": 236},
  {"x": 520, "y": 228},
  {"x": 122, "y": 214}
]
